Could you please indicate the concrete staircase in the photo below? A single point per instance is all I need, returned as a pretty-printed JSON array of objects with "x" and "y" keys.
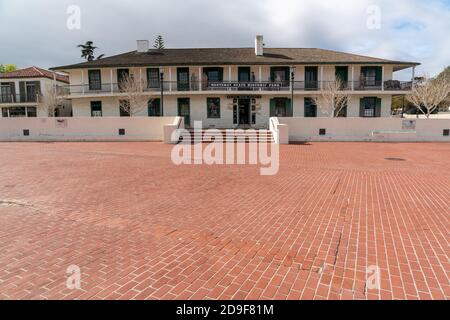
[{"x": 234, "y": 136}]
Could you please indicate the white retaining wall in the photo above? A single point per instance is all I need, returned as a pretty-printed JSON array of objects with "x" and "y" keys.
[
  {"x": 365, "y": 129},
  {"x": 85, "y": 129}
]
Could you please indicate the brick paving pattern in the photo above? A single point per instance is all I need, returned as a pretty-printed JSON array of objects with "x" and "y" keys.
[{"x": 141, "y": 228}]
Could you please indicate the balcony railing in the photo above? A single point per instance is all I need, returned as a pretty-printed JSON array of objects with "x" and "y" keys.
[
  {"x": 18, "y": 98},
  {"x": 266, "y": 86}
]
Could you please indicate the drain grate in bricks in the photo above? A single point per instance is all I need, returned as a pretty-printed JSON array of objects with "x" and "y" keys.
[{"x": 394, "y": 159}]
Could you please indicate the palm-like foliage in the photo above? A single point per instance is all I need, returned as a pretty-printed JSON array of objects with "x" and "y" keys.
[{"x": 87, "y": 51}]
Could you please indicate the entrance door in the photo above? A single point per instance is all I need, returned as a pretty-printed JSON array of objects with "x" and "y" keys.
[
  {"x": 184, "y": 110},
  {"x": 244, "y": 112},
  {"x": 183, "y": 79}
]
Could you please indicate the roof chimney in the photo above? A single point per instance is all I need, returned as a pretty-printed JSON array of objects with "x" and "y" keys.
[
  {"x": 259, "y": 45},
  {"x": 142, "y": 45}
]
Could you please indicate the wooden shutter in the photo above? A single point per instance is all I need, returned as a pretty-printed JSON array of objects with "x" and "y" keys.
[
  {"x": 23, "y": 92},
  {"x": 361, "y": 107},
  {"x": 220, "y": 74},
  {"x": 289, "y": 111},
  {"x": 378, "y": 108},
  {"x": 272, "y": 107}
]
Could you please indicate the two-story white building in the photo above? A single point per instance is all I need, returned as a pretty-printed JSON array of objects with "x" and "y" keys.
[
  {"x": 230, "y": 87},
  {"x": 22, "y": 92}
]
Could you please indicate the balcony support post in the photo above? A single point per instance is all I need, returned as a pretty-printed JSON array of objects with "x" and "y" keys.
[
  {"x": 229, "y": 76},
  {"x": 170, "y": 79},
  {"x": 260, "y": 76},
  {"x": 140, "y": 79},
  {"x": 200, "y": 78},
  {"x": 82, "y": 81},
  {"x": 321, "y": 77},
  {"x": 382, "y": 78},
  {"x": 353, "y": 78},
  {"x": 111, "y": 80},
  {"x": 413, "y": 76}
]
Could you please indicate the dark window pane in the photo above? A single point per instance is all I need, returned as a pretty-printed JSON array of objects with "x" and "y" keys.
[
  {"x": 17, "y": 112},
  {"x": 213, "y": 74},
  {"x": 5, "y": 112},
  {"x": 96, "y": 109},
  {"x": 31, "y": 111},
  {"x": 154, "y": 108},
  {"x": 95, "y": 80},
  {"x": 124, "y": 108},
  {"x": 153, "y": 80},
  {"x": 310, "y": 108},
  {"x": 213, "y": 108},
  {"x": 5, "y": 93},
  {"x": 31, "y": 93}
]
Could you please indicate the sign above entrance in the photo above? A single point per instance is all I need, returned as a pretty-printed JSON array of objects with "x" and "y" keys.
[
  {"x": 244, "y": 97},
  {"x": 245, "y": 85}
]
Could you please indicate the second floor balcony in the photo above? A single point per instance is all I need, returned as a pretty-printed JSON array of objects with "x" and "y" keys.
[
  {"x": 227, "y": 86},
  {"x": 20, "y": 98}
]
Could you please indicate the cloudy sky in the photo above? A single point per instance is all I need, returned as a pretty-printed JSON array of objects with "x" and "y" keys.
[{"x": 34, "y": 32}]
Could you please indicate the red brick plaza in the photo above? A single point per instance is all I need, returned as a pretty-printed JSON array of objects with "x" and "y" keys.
[{"x": 141, "y": 228}]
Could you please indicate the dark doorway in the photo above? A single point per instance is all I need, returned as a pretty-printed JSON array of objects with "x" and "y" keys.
[
  {"x": 244, "y": 111},
  {"x": 184, "y": 110}
]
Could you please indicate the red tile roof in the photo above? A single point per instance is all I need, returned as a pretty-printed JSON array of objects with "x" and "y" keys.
[{"x": 34, "y": 72}]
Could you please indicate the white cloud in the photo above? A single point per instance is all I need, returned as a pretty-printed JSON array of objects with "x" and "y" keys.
[{"x": 411, "y": 30}]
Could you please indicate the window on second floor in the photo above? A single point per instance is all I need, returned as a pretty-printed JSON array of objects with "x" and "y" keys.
[
  {"x": 280, "y": 74},
  {"x": 95, "y": 80},
  {"x": 213, "y": 74},
  {"x": 153, "y": 80},
  {"x": 372, "y": 76},
  {"x": 7, "y": 92}
]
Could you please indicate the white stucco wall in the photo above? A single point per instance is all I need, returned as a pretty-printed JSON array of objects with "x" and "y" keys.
[
  {"x": 366, "y": 129},
  {"x": 110, "y": 107},
  {"x": 84, "y": 129}
]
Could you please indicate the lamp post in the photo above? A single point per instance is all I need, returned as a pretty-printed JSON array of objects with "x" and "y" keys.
[
  {"x": 161, "y": 84},
  {"x": 292, "y": 88}
]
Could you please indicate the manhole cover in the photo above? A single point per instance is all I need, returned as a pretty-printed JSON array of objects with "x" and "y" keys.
[{"x": 395, "y": 159}]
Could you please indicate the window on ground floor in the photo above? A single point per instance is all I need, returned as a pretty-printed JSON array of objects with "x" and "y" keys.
[
  {"x": 342, "y": 112},
  {"x": 310, "y": 108},
  {"x": 370, "y": 107},
  {"x": 154, "y": 108},
  {"x": 96, "y": 109},
  {"x": 213, "y": 108},
  {"x": 124, "y": 108},
  {"x": 16, "y": 112},
  {"x": 281, "y": 107}
]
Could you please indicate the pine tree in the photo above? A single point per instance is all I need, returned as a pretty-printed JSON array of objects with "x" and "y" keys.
[{"x": 159, "y": 42}]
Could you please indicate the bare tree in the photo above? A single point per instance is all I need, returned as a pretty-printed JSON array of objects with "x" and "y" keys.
[
  {"x": 332, "y": 98},
  {"x": 430, "y": 94},
  {"x": 133, "y": 99},
  {"x": 51, "y": 99}
]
